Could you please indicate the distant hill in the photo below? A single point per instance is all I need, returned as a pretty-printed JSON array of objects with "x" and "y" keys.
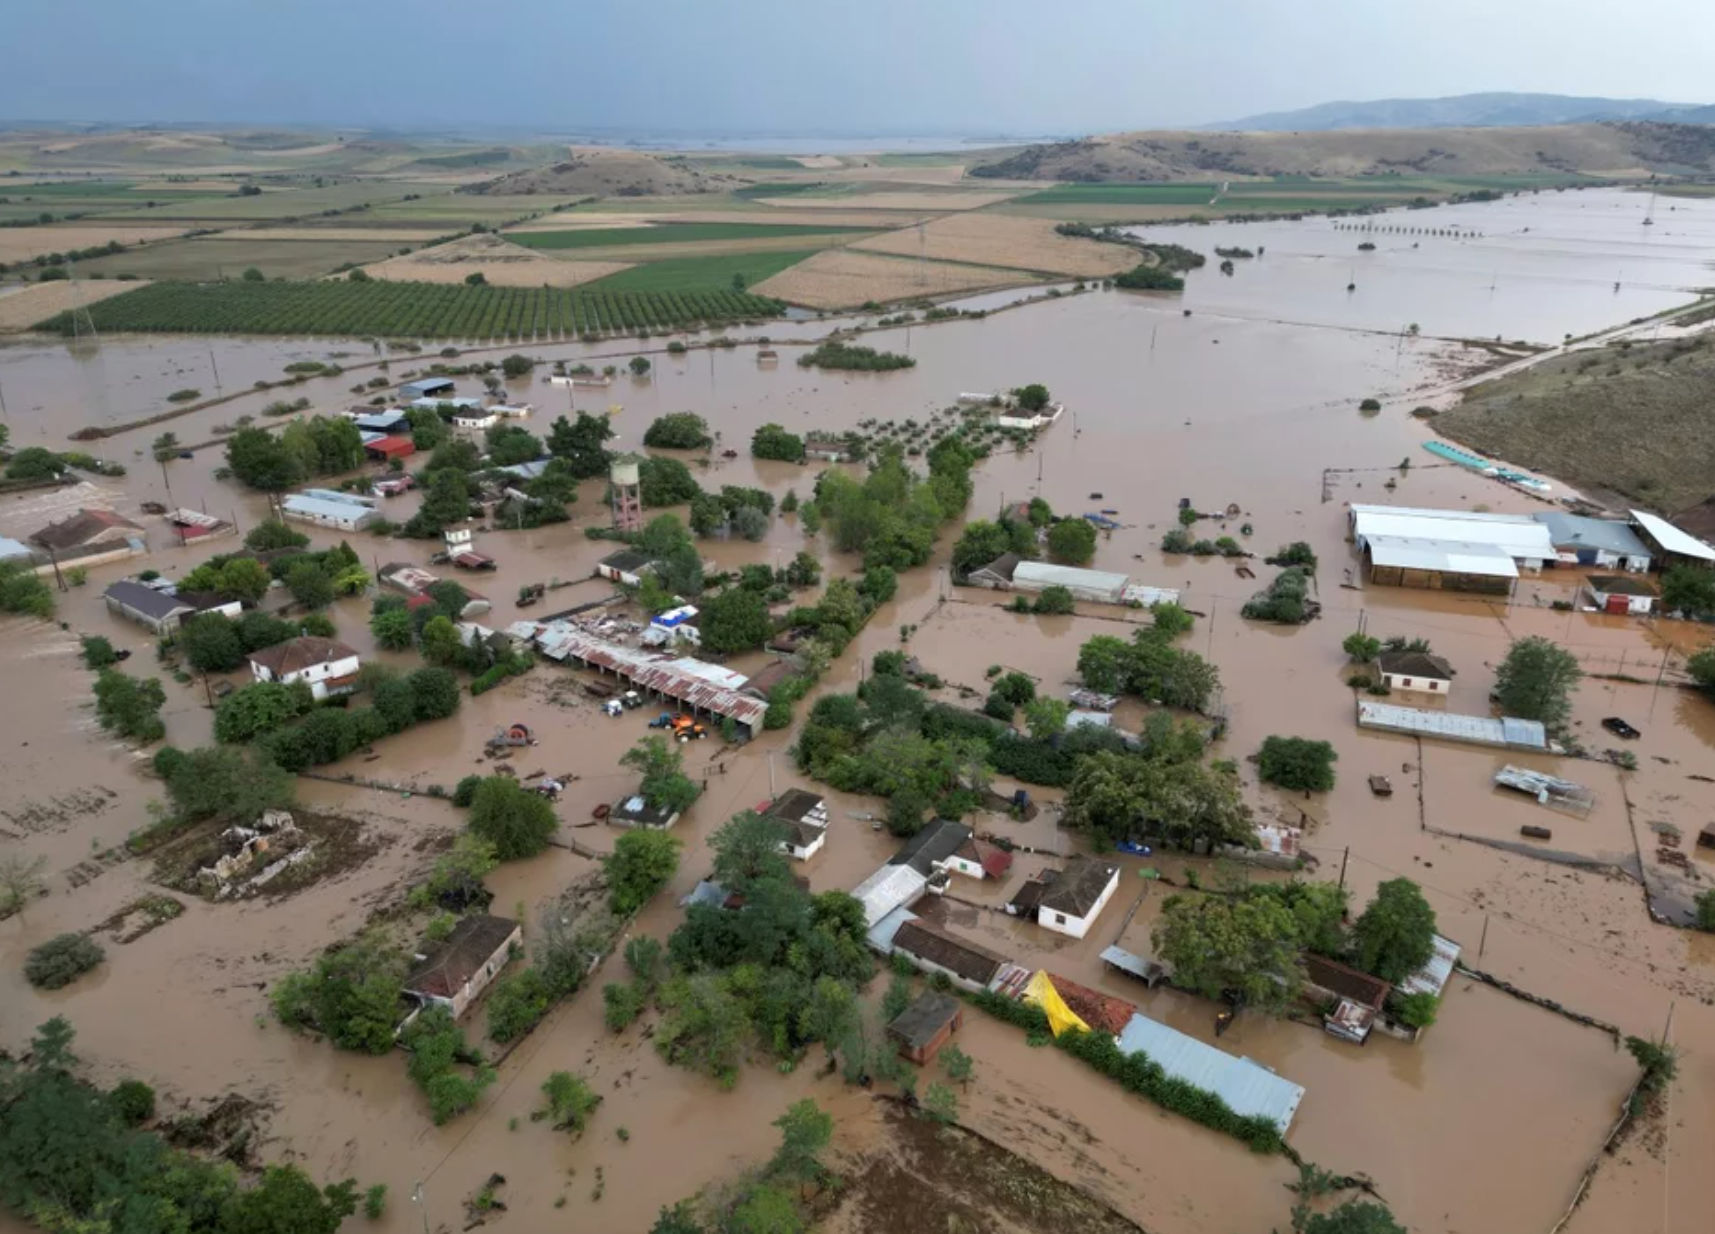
[
  {"x": 1459, "y": 111},
  {"x": 1632, "y": 148},
  {"x": 611, "y": 173}
]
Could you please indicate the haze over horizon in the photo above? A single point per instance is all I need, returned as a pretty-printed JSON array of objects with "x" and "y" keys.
[{"x": 763, "y": 66}]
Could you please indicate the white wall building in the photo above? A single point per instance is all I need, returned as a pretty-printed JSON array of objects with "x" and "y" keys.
[
  {"x": 1077, "y": 897},
  {"x": 328, "y": 667}
]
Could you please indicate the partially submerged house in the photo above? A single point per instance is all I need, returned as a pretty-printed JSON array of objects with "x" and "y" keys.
[
  {"x": 1621, "y": 594},
  {"x": 455, "y": 971},
  {"x": 908, "y": 872},
  {"x": 342, "y": 513},
  {"x": 662, "y": 675},
  {"x": 804, "y": 815},
  {"x": 1606, "y": 542},
  {"x": 426, "y": 387},
  {"x": 1415, "y": 671},
  {"x": 1074, "y": 899},
  {"x": 1672, "y": 546},
  {"x": 1010, "y": 572},
  {"x": 1249, "y": 1088},
  {"x": 386, "y": 448},
  {"x": 635, "y": 811},
  {"x": 1350, "y": 1000},
  {"x": 1508, "y": 732},
  {"x": 935, "y": 950},
  {"x": 626, "y": 566},
  {"x": 90, "y": 537},
  {"x": 156, "y": 610},
  {"x": 326, "y": 665},
  {"x": 925, "y": 1026},
  {"x": 979, "y": 859},
  {"x": 1448, "y": 550}
]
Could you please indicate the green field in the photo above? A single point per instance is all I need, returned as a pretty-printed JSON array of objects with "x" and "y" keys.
[
  {"x": 411, "y": 310},
  {"x": 210, "y": 258},
  {"x": 671, "y": 233},
  {"x": 273, "y": 203},
  {"x": 86, "y": 198},
  {"x": 786, "y": 189},
  {"x": 700, "y": 273},
  {"x": 463, "y": 209}
]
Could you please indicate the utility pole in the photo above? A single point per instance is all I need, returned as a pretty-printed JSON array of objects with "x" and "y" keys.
[
  {"x": 1344, "y": 858},
  {"x": 1484, "y": 941},
  {"x": 771, "y": 792}
]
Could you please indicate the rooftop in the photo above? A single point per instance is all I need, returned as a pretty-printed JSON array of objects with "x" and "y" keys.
[
  {"x": 634, "y": 809},
  {"x": 797, "y": 805},
  {"x": 1248, "y": 1087},
  {"x": 1518, "y": 535},
  {"x": 1102, "y": 1012},
  {"x": 1447, "y": 556},
  {"x": 891, "y": 887},
  {"x": 1671, "y": 538},
  {"x": 923, "y": 1020},
  {"x": 626, "y": 560},
  {"x": 1481, "y": 730},
  {"x": 1433, "y": 977},
  {"x": 1699, "y": 520},
  {"x": 1622, "y": 585},
  {"x": 1415, "y": 664},
  {"x": 321, "y": 507},
  {"x": 450, "y": 964},
  {"x": 994, "y": 861},
  {"x": 1347, "y": 982},
  {"x": 1578, "y": 531},
  {"x": 1047, "y": 574},
  {"x": 1079, "y": 886},
  {"x": 81, "y": 528},
  {"x": 651, "y": 672},
  {"x": 937, "y": 841},
  {"x": 141, "y": 598},
  {"x": 969, "y": 960},
  {"x": 297, "y": 654}
]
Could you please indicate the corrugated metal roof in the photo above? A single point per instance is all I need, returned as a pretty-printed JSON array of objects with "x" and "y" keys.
[
  {"x": 1433, "y": 977},
  {"x": 1047, "y": 574},
  {"x": 527, "y": 471},
  {"x": 1518, "y": 535},
  {"x": 1149, "y": 597},
  {"x": 888, "y": 888},
  {"x": 1671, "y": 538},
  {"x": 652, "y": 672},
  {"x": 1576, "y": 531},
  {"x": 1480, "y": 730},
  {"x": 334, "y": 494},
  {"x": 316, "y": 507},
  {"x": 1248, "y": 1087},
  {"x": 1453, "y": 557},
  {"x": 709, "y": 672},
  {"x": 882, "y": 932}
]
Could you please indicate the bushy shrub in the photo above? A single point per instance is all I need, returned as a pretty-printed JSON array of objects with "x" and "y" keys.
[{"x": 62, "y": 960}]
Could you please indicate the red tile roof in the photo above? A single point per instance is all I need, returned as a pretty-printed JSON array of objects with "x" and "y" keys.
[
  {"x": 296, "y": 654},
  {"x": 1102, "y": 1012}
]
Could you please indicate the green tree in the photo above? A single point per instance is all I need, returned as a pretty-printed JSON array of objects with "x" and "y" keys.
[
  {"x": 435, "y": 693},
  {"x": 391, "y": 627},
  {"x": 287, "y": 1202},
  {"x": 20, "y": 881},
  {"x": 310, "y": 584},
  {"x": 980, "y": 543},
  {"x": 61, "y": 960},
  {"x": 703, "y": 1025},
  {"x": 1117, "y": 795},
  {"x": 441, "y": 642},
  {"x": 765, "y": 1209},
  {"x": 747, "y": 851},
  {"x": 1352, "y": 1217},
  {"x": 262, "y": 461},
  {"x": 1704, "y": 904},
  {"x": 1055, "y": 600},
  {"x": 1170, "y": 620},
  {"x": 133, "y": 1101},
  {"x": 664, "y": 784},
  {"x": 940, "y": 1103},
  {"x": 1297, "y": 763},
  {"x": 510, "y": 444},
  {"x": 1046, "y": 717},
  {"x": 516, "y": 365},
  {"x": 1536, "y": 680},
  {"x": 1361, "y": 648},
  {"x": 642, "y": 862},
  {"x": 580, "y": 443},
  {"x": 772, "y": 441},
  {"x": 680, "y": 1219},
  {"x": 735, "y": 620},
  {"x": 260, "y": 708},
  {"x": 34, "y": 463},
  {"x": 805, "y": 1131},
  {"x": 22, "y": 592},
  {"x": 130, "y": 706},
  {"x": 1688, "y": 589},
  {"x": 1033, "y": 397},
  {"x": 665, "y": 482},
  {"x": 518, "y": 822},
  {"x": 831, "y": 1013},
  {"x": 446, "y": 502},
  {"x": 1395, "y": 936},
  {"x": 957, "y": 1064},
  {"x": 272, "y": 534},
  {"x": 351, "y": 993},
  {"x": 568, "y": 1101},
  {"x": 211, "y": 643},
  {"x": 245, "y": 579},
  {"x": 223, "y": 782},
  {"x": 1246, "y": 948},
  {"x": 639, "y": 366},
  {"x": 164, "y": 447},
  {"x": 1701, "y": 666},
  {"x": 1072, "y": 540}
]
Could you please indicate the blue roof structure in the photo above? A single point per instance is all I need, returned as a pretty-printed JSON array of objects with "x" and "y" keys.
[{"x": 1248, "y": 1087}]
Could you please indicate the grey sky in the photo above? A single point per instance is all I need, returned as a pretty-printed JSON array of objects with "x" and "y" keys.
[{"x": 805, "y": 66}]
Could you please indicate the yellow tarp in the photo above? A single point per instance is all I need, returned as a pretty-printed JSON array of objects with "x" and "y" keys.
[{"x": 1041, "y": 991}]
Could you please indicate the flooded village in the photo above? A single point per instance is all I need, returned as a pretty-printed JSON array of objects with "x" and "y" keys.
[{"x": 1265, "y": 424}]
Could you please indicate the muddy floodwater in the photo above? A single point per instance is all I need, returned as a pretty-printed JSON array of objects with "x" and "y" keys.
[{"x": 1249, "y": 402}]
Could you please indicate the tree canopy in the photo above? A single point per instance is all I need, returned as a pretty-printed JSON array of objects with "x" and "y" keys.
[
  {"x": 1536, "y": 680},
  {"x": 1246, "y": 947},
  {"x": 516, "y": 821},
  {"x": 1395, "y": 935}
]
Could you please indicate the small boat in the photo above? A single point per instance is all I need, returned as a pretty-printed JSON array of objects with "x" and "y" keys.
[{"x": 1105, "y": 511}]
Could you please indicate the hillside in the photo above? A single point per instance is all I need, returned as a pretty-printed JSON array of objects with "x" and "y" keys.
[
  {"x": 1455, "y": 111},
  {"x": 1631, "y": 419},
  {"x": 611, "y": 173},
  {"x": 1622, "y": 149}
]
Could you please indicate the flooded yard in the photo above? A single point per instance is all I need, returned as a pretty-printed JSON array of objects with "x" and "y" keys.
[{"x": 1242, "y": 395}]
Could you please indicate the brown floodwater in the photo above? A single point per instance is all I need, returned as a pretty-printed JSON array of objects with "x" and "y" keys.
[{"x": 1233, "y": 404}]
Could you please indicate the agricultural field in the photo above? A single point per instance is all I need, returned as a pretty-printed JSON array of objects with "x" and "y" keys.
[
  {"x": 410, "y": 310},
  {"x": 672, "y": 233},
  {"x": 453, "y": 211},
  {"x": 21, "y": 307},
  {"x": 25, "y": 243},
  {"x": 999, "y": 240},
  {"x": 275, "y": 202},
  {"x": 495, "y": 258},
  {"x": 702, "y": 274},
  {"x": 74, "y": 199},
  {"x": 208, "y": 258},
  {"x": 846, "y": 278}
]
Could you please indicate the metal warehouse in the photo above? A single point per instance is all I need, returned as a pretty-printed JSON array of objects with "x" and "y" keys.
[{"x": 660, "y": 674}]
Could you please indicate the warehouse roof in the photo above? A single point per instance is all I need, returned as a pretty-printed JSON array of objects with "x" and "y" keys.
[
  {"x": 1447, "y": 556},
  {"x": 150, "y": 602},
  {"x": 320, "y": 507},
  {"x": 1518, "y": 535},
  {"x": 1671, "y": 538},
  {"x": 956, "y": 955},
  {"x": 653, "y": 672},
  {"x": 1577, "y": 531},
  {"x": 1249, "y": 1088},
  {"x": 1047, "y": 574}
]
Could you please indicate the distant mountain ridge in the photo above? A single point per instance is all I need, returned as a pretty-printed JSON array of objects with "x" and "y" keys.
[{"x": 1493, "y": 110}]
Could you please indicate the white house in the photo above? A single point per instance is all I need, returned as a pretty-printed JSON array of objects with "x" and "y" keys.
[
  {"x": 328, "y": 667},
  {"x": 1074, "y": 900},
  {"x": 1621, "y": 593},
  {"x": 1416, "y": 671},
  {"x": 978, "y": 859},
  {"x": 474, "y": 417},
  {"x": 625, "y": 566},
  {"x": 454, "y": 972},
  {"x": 804, "y": 815},
  {"x": 341, "y": 515}
]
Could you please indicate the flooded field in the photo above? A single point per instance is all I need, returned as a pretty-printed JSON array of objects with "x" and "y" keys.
[{"x": 1249, "y": 401}]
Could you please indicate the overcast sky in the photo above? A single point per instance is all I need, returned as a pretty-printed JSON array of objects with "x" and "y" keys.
[{"x": 807, "y": 66}]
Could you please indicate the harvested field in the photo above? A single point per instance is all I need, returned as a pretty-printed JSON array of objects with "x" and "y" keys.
[
  {"x": 841, "y": 278},
  {"x": 704, "y": 271},
  {"x": 24, "y": 243},
  {"x": 1631, "y": 419},
  {"x": 226, "y": 256},
  {"x": 966, "y": 200},
  {"x": 23, "y": 307},
  {"x": 677, "y": 233},
  {"x": 568, "y": 220},
  {"x": 499, "y": 261},
  {"x": 402, "y": 235},
  {"x": 1017, "y": 243}
]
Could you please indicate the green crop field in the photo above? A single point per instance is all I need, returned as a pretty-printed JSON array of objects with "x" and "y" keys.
[
  {"x": 410, "y": 310},
  {"x": 272, "y": 204},
  {"x": 210, "y": 258},
  {"x": 701, "y": 274},
  {"x": 671, "y": 233}
]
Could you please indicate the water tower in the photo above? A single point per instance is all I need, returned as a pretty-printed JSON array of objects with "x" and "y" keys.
[{"x": 627, "y": 496}]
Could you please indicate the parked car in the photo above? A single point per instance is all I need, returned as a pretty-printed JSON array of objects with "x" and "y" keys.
[{"x": 1620, "y": 728}]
